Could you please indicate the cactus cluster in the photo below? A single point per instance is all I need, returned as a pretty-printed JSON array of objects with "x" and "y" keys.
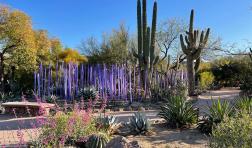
[
  {"x": 192, "y": 45},
  {"x": 146, "y": 36}
]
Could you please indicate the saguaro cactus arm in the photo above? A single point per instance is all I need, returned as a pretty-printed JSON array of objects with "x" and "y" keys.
[{"x": 192, "y": 48}]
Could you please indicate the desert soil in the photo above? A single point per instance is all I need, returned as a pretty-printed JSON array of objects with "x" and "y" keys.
[{"x": 163, "y": 137}]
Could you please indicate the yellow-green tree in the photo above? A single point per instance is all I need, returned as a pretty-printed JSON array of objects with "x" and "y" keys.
[
  {"x": 43, "y": 45},
  {"x": 56, "y": 49},
  {"x": 17, "y": 50},
  {"x": 71, "y": 55}
]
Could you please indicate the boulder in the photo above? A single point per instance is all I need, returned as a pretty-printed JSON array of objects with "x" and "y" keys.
[{"x": 122, "y": 142}]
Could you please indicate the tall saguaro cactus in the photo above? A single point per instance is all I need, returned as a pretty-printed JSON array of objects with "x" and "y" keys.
[
  {"x": 194, "y": 43},
  {"x": 146, "y": 36},
  {"x": 250, "y": 54}
]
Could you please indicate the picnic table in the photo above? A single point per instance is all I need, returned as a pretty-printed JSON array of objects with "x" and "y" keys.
[{"x": 27, "y": 108}]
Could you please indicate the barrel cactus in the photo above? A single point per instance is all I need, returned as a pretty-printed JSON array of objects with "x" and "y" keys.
[{"x": 97, "y": 141}]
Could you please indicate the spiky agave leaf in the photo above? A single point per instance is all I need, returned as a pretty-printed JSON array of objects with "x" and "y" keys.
[
  {"x": 98, "y": 140},
  {"x": 178, "y": 112},
  {"x": 139, "y": 123}
]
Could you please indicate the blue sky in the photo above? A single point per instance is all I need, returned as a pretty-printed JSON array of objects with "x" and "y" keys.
[{"x": 75, "y": 20}]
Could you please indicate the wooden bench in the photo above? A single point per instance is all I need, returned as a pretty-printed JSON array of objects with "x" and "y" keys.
[{"x": 27, "y": 108}]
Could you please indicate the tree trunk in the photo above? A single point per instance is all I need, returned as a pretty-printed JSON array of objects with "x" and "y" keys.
[
  {"x": 191, "y": 76},
  {"x": 1, "y": 73}
]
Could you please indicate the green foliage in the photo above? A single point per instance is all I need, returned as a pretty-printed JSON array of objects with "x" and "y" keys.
[
  {"x": 165, "y": 94},
  {"x": 215, "y": 115},
  {"x": 244, "y": 104},
  {"x": 88, "y": 93},
  {"x": 3, "y": 97},
  {"x": 232, "y": 71},
  {"x": 51, "y": 99},
  {"x": 178, "y": 112},
  {"x": 18, "y": 52},
  {"x": 233, "y": 132},
  {"x": 74, "y": 126},
  {"x": 98, "y": 140},
  {"x": 246, "y": 84},
  {"x": 206, "y": 80},
  {"x": 139, "y": 123},
  {"x": 112, "y": 50},
  {"x": 43, "y": 45}
]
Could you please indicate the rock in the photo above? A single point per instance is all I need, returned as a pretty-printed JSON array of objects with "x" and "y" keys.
[
  {"x": 122, "y": 142},
  {"x": 134, "y": 144}
]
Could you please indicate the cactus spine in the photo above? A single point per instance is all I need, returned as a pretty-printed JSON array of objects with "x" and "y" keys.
[
  {"x": 146, "y": 36},
  {"x": 192, "y": 48}
]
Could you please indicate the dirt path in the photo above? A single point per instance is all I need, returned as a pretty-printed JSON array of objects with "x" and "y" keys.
[{"x": 228, "y": 94}]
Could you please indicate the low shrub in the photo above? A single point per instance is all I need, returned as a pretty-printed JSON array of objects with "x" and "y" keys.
[
  {"x": 206, "y": 80},
  {"x": 88, "y": 93},
  {"x": 244, "y": 104},
  {"x": 139, "y": 124},
  {"x": 178, "y": 112},
  {"x": 67, "y": 127},
  {"x": 179, "y": 89},
  {"x": 246, "y": 85},
  {"x": 233, "y": 132},
  {"x": 216, "y": 113}
]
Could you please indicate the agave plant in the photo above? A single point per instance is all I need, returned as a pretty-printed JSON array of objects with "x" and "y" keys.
[
  {"x": 107, "y": 123},
  {"x": 244, "y": 104},
  {"x": 178, "y": 112},
  {"x": 98, "y": 140},
  {"x": 139, "y": 123},
  {"x": 215, "y": 115}
]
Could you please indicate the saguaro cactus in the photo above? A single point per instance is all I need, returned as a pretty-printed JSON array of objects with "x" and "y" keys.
[
  {"x": 192, "y": 48},
  {"x": 250, "y": 54},
  {"x": 146, "y": 37}
]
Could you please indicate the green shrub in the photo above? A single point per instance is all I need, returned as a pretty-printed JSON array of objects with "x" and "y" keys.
[
  {"x": 63, "y": 127},
  {"x": 179, "y": 89},
  {"x": 244, "y": 104},
  {"x": 139, "y": 123},
  {"x": 206, "y": 80},
  {"x": 217, "y": 111},
  {"x": 88, "y": 93},
  {"x": 178, "y": 112},
  {"x": 246, "y": 85},
  {"x": 233, "y": 132}
]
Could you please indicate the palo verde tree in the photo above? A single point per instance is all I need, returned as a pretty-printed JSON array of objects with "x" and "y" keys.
[
  {"x": 70, "y": 55},
  {"x": 194, "y": 43},
  {"x": 146, "y": 37},
  {"x": 17, "y": 50}
]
